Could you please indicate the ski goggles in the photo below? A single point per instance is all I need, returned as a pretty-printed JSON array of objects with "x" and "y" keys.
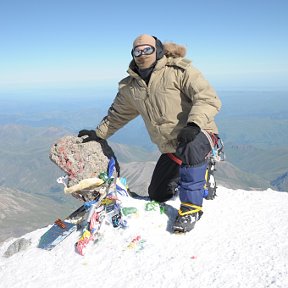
[{"x": 148, "y": 50}]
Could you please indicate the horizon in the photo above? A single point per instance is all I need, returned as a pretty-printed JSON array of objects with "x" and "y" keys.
[{"x": 100, "y": 92}]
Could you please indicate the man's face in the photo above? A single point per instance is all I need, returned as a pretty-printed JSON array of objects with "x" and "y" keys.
[
  {"x": 144, "y": 56},
  {"x": 144, "y": 51}
]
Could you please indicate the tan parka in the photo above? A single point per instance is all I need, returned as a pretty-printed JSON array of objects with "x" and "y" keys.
[{"x": 176, "y": 94}]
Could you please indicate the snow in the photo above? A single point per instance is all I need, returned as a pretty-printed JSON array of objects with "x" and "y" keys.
[{"x": 241, "y": 241}]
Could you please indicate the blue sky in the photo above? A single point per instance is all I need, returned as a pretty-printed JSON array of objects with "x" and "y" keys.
[{"x": 67, "y": 43}]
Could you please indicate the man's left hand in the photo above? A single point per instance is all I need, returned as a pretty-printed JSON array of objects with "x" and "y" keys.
[{"x": 188, "y": 133}]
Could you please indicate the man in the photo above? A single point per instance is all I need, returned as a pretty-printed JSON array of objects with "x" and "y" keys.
[{"x": 178, "y": 107}]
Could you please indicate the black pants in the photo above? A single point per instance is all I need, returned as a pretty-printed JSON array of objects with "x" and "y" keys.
[
  {"x": 166, "y": 173},
  {"x": 164, "y": 179}
]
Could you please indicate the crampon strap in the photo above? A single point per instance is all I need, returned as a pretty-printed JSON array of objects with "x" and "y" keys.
[{"x": 189, "y": 211}]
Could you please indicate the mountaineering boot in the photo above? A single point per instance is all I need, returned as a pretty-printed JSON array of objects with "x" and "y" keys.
[{"x": 187, "y": 217}]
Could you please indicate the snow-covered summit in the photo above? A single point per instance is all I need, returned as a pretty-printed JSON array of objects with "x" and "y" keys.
[{"x": 241, "y": 241}]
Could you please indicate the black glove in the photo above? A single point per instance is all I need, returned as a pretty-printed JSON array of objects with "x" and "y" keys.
[
  {"x": 188, "y": 133},
  {"x": 107, "y": 150},
  {"x": 91, "y": 136}
]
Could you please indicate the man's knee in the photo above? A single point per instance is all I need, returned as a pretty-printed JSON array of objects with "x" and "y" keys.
[{"x": 194, "y": 153}]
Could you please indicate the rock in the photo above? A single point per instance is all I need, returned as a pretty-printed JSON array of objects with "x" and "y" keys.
[
  {"x": 78, "y": 160},
  {"x": 17, "y": 246}
]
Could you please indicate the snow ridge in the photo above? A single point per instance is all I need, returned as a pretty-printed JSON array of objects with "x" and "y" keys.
[{"x": 241, "y": 241}]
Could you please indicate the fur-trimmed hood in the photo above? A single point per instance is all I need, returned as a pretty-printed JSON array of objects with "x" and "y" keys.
[{"x": 174, "y": 50}]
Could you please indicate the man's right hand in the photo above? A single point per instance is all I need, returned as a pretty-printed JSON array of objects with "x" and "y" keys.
[
  {"x": 91, "y": 136},
  {"x": 107, "y": 150}
]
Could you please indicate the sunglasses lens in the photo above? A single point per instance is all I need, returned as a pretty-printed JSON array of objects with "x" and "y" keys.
[
  {"x": 137, "y": 53},
  {"x": 146, "y": 51}
]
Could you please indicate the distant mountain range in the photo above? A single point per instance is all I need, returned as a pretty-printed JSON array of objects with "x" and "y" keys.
[{"x": 25, "y": 164}]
